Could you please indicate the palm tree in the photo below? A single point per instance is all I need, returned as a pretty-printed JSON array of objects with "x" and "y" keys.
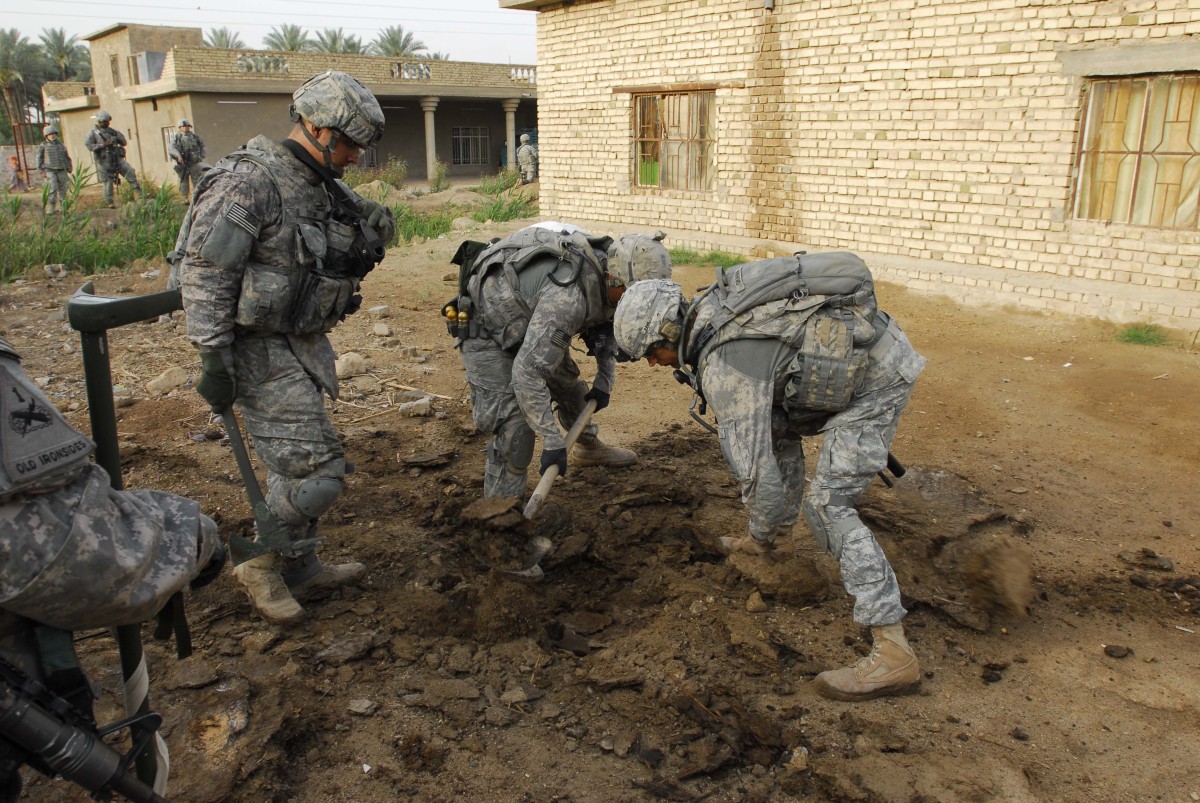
[
  {"x": 396, "y": 42},
  {"x": 332, "y": 40},
  {"x": 68, "y": 56},
  {"x": 437, "y": 56},
  {"x": 224, "y": 38},
  {"x": 18, "y": 61},
  {"x": 291, "y": 38}
]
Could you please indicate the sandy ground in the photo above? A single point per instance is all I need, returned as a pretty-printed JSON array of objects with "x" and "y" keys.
[{"x": 645, "y": 665}]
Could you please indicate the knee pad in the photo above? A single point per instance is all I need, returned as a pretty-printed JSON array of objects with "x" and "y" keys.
[
  {"x": 312, "y": 497},
  {"x": 513, "y": 446},
  {"x": 830, "y": 519}
]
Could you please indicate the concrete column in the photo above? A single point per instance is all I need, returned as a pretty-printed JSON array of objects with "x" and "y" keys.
[
  {"x": 510, "y": 128},
  {"x": 428, "y": 105}
]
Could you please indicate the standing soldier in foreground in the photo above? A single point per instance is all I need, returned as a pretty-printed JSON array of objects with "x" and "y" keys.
[
  {"x": 275, "y": 254},
  {"x": 108, "y": 149},
  {"x": 54, "y": 163},
  {"x": 187, "y": 151},
  {"x": 804, "y": 354},
  {"x": 527, "y": 160}
]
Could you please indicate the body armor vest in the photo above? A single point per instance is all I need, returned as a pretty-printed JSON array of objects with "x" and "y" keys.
[
  {"x": 188, "y": 147},
  {"x": 107, "y": 157},
  {"x": 54, "y": 156}
]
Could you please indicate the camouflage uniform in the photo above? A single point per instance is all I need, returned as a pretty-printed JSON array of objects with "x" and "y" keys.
[
  {"x": 74, "y": 552},
  {"x": 517, "y": 380},
  {"x": 527, "y": 160},
  {"x": 743, "y": 381},
  {"x": 187, "y": 150},
  {"x": 54, "y": 161},
  {"x": 108, "y": 149},
  {"x": 247, "y": 299}
]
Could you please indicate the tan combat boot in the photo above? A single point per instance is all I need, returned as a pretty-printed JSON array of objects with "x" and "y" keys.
[
  {"x": 592, "y": 452},
  {"x": 890, "y": 669},
  {"x": 260, "y": 579},
  {"x": 307, "y": 575},
  {"x": 747, "y": 545}
]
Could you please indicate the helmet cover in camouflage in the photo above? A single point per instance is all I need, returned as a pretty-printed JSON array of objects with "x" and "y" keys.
[
  {"x": 648, "y": 313},
  {"x": 103, "y": 116},
  {"x": 636, "y": 257},
  {"x": 524, "y": 138},
  {"x": 336, "y": 100},
  {"x": 50, "y": 129},
  {"x": 184, "y": 122}
]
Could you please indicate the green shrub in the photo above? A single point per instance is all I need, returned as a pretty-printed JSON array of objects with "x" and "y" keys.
[
  {"x": 440, "y": 180},
  {"x": 1143, "y": 334},
  {"x": 686, "y": 256},
  {"x": 505, "y": 180},
  {"x": 146, "y": 230},
  {"x": 394, "y": 171},
  {"x": 410, "y": 223},
  {"x": 501, "y": 209}
]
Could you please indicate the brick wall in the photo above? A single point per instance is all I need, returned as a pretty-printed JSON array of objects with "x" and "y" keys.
[{"x": 934, "y": 138}]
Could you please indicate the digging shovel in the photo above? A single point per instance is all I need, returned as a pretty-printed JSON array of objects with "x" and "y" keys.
[
  {"x": 543, "y": 486},
  {"x": 272, "y": 536}
]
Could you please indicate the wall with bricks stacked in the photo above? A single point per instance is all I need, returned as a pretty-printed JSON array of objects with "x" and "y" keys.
[{"x": 936, "y": 139}]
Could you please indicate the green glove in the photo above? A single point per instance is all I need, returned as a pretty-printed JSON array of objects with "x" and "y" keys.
[
  {"x": 379, "y": 218},
  {"x": 217, "y": 384}
]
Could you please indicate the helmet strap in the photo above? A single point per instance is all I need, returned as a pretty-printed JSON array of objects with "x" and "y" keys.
[{"x": 326, "y": 150}]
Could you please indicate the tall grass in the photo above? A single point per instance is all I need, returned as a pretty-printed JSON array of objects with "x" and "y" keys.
[
  {"x": 440, "y": 180},
  {"x": 503, "y": 208},
  {"x": 146, "y": 230},
  {"x": 428, "y": 225},
  {"x": 503, "y": 181},
  {"x": 394, "y": 171}
]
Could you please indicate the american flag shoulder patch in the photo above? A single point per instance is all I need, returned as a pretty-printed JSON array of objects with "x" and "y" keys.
[
  {"x": 243, "y": 218},
  {"x": 560, "y": 338}
]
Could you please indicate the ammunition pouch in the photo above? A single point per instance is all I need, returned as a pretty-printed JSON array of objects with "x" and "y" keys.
[
  {"x": 322, "y": 301},
  {"x": 354, "y": 249},
  {"x": 828, "y": 369},
  {"x": 266, "y": 300}
]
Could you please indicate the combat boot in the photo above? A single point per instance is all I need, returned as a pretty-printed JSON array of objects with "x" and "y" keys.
[
  {"x": 259, "y": 577},
  {"x": 307, "y": 575},
  {"x": 890, "y": 669},
  {"x": 591, "y": 451},
  {"x": 748, "y": 545}
]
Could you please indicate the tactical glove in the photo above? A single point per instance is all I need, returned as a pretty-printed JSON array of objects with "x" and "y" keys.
[
  {"x": 600, "y": 396},
  {"x": 554, "y": 457},
  {"x": 379, "y": 218},
  {"x": 217, "y": 384}
]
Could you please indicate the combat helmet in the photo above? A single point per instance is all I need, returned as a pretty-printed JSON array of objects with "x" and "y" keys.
[
  {"x": 635, "y": 257},
  {"x": 103, "y": 116},
  {"x": 184, "y": 122},
  {"x": 524, "y": 138},
  {"x": 649, "y": 312},
  {"x": 50, "y": 129},
  {"x": 336, "y": 100}
]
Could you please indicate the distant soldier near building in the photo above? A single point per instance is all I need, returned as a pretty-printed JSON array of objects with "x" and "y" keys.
[
  {"x": 527, "y": 160},
  {"x": 54, "y": 163},
  {"x": 187, "y": 152},
  {"x": 108, "y": 149}
]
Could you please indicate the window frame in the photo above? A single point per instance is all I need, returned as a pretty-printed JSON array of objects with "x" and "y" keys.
[
  {"x": 1117, "y": 174},
  {"x": 694, "y": 150},
  {"x": 479, "y": 142}
]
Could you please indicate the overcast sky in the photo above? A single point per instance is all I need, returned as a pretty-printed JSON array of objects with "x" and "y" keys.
[{"x": 468, "y": 30}]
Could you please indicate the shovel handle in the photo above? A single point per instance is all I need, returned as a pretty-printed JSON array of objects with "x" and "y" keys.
[{"x": 551, "y": 474}]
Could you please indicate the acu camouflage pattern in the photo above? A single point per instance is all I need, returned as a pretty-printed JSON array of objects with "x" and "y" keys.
[
  {"x": 516, "y": 386},
  {"x": 187, "y": 150},
  {"x": 74, "y": 553},
  {"x": 55, "y": 162},
  {"x": 108, "y": 149},
  {"x": 245, "y": 299},
  {"x": 527, "y": 162},
  {"x": 744, "y": 382}
]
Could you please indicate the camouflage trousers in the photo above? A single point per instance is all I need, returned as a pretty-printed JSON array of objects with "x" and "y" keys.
[
  {"x": 57, "y": 182},
  {"x": 496, "y": 412},
  {"x": 189, "y": 177},
  {"x": 854, "y": 449},
  {"x": 108, "y": 174},
  {"x": 283, "y": 409}
]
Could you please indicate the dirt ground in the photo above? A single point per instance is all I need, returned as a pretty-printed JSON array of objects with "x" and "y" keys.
[{"x": 645, "y": 665}]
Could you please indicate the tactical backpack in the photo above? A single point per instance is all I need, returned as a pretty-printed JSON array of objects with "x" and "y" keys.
[
  {"x": 821, "y": 304},
  {"x": 563, "y": 257}
]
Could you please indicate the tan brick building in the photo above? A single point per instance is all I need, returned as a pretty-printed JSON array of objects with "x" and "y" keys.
[
  {"x": 148, "y": 77},
  {"x": 1034, "y": 152}
]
